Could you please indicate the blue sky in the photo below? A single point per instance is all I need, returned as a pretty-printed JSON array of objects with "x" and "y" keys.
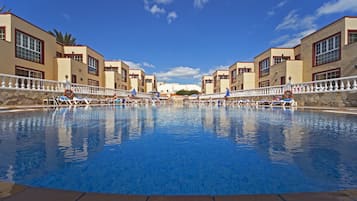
[{"x": 180, "y": 40}]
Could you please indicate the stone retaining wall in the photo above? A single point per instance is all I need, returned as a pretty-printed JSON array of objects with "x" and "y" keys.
[{"x": 12, "y": 97}]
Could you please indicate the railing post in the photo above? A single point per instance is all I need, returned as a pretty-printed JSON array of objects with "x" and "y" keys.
[
  {"x": 355, "y": 84},
  {"x": 3, "y": 82},
  {"x": 10, "y": 83}
]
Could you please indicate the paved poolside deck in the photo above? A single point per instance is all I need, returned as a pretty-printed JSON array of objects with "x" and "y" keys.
[{"x": 14, "y": 192}]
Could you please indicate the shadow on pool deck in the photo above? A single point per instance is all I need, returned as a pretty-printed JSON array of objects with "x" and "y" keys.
[{"x": 14, "y": 192}]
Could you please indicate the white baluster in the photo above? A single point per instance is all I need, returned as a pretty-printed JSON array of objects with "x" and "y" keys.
[
  {"x": 354, "y": 84},
  {"x": 3, "y": 82},
  {"x": 22, "y": 83},
  {"x": 17, "y": 83},
  {"x": 342, "y": 86},
  {"x": 348, "y": 85},
  {"x": 330, "y": 87},
  {"x": 325, "y": 87},
  {"x": 10, "y": 83}
]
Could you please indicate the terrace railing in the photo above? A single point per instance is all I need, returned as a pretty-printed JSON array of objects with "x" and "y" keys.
[
  {"x": 34, "y": 84},
  {"x": 321, "y": 86}
]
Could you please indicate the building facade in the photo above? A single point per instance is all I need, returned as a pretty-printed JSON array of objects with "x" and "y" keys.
[
  {"x": 331, "y": 51},
  {"x": 150, "y": 83},
  {"x": 207, "y": 84},
  {"x": 117, "y": 75},
  {"x": 241, "y": 76},
  {"x": 220, "y": 81},
  {"x": 137, "y": 80},
  {"x": 26, "y": 50},
  {"x": 275, "y": 66}
]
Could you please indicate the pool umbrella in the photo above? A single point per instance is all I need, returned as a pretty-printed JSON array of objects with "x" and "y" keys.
[{"x": 133, "y": 92}]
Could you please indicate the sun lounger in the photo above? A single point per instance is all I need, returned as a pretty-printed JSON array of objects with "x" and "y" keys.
[
  {"x": 64, "y": 100},
  {"x": 78, "y": 100}
]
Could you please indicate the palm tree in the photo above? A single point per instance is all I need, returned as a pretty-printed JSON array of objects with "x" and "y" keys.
[
  {"x": 4, "y": 10},
  {"x": 65, "y": 39}
]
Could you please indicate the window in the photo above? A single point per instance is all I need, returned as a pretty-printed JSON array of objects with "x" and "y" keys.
[
  {"x": 244, "y": 70},
  {"x": 298, "y": 57},
  {"x": 282, "y": 80},
  {"x": 93, "y": 65},
  {"x": 352, "y": 36},
  {"x": 233, "y": 75},
  {"x": 124, "y": 75},
  {"x": 327, "y": 50},
  {"x": 2, "y": 33},
  {"x": 93, "y": 82},
  {"x": 74, "y": 79},
  {"x": 58, "y": 54},
  {"x": 25, "y": 72},
  {"x": 265, "y": 83},
  {"x": 28, "y": 47},
  {"x": 264, "y": 67},
  {"x": 148, "y": 80},
  {"x": 208, "y": 81},
  {"x": 280, "y": 59},
  {"x": 76, "y": 57},
  {"x": 331, "y": 74},
  {"x": 223, "y": 77}
]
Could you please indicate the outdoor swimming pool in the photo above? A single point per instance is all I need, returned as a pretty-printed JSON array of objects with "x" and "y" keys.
[{"x": 179, "y": 150}]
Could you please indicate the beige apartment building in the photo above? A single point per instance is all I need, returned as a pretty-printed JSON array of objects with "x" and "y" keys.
[
  {"x": 220, "y": 81},
  {"x": 116, "y": 75},
  {"x": 331, "y": 52},
  {"x": 276, "y": 65},
  {"x": 81, "y": 64},
  {"x": 26, "y": 50},
  {"x": 137, "y": 80},
  {"x": 150, "y": 83},
  {"x": 207, "y": 84},
  {"x": 242, "y": 76}
]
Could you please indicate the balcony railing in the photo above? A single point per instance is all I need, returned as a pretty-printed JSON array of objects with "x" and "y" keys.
[
  {"x": 321, "y": 86},
  {"x": 34, "y": 84}
]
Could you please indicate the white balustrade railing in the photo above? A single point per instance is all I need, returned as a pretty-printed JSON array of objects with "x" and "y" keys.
[
  {"x": 321, "y": 86},
  {"x": 34, "y": 84}
]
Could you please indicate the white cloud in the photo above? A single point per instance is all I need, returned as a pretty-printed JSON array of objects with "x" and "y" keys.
[
  {"x": 199, "y": 3},
  {"x": 292, "y": 41},
  {"x": 155, "y": 9},
  {"x": 279, "y": 5},
  {"x": 171, "y": 17},
  {"x": 148, "y": 65},
  {"x": 338, "y": 6},
  {"x": 66, "y": 16},
  {"x": 295, "y": 22},
  {"x": 182, "y": 72},
  {"x": 163, "y": 1},
  {"x": 280, "y": 39}
]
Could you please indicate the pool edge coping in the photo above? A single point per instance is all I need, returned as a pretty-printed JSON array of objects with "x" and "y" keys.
[{"x": 12, "y": 191}]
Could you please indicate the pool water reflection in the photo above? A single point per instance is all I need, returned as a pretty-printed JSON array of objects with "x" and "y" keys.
[{"x": 179, "y": 150}]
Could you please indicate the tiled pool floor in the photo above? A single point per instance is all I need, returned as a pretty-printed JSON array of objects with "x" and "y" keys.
[{"x": 14, "y": 192}]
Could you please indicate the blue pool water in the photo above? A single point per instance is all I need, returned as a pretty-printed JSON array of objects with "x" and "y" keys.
[{"x": 179, "y": 150}]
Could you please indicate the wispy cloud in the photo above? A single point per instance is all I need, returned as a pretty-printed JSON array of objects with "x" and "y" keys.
[
  {"x": 66, "y": 16},
  {"x": 199, "y": 3},
  {"x": 295, "y": 22},
  {"x": 338, "y": 6},
  {"x": 276, "y": 7},
  {"x": 163, "y": 1},
  {"x": 181, "y": 72},
  {"x": 157, "y": 8},
  {"x": 171, "y": 17},
  {"x": 148, "y": 65},
  {"x": 305, "y": 25}
]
